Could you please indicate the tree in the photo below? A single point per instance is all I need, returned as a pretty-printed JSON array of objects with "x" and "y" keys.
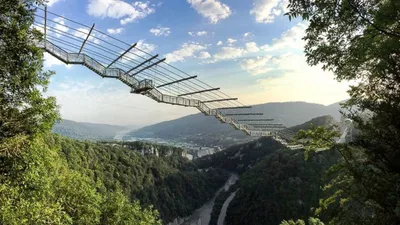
[
  {"x": 359, "y": 40},
  {"x": 24, "y": 110},
  {"x": 118, "y": 210},
  {"x": 311, "y": 221}
]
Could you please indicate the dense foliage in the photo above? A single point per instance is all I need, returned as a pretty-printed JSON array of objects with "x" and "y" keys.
[
  {"x": 281, "y": 186},
  {"x": 169, "y": 182},
  {"x": 24, "y": 110},
  {"x": 311, "y": 221},
  {"x": 359, "y": 40},
  {"x": 37, "y": 186}
]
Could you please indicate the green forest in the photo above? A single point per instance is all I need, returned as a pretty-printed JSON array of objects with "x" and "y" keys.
[
  {"x": 281, "y": 186},
  {"x": 170, "y": 182},
  {"x": 50, "y": 179},
  {"x": 275, "y": 184}
]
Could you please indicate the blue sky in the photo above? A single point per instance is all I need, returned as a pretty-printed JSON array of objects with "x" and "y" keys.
[{"x": 246, "y": 47}]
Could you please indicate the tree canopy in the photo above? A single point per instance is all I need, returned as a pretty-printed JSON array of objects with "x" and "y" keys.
[
  {"x": 359, "y": 41},
  {"x": 37, "y": 186},
  {"x": 24, "y": 110}
]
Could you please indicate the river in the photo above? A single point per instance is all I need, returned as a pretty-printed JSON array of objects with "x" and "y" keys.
[{"x": 202, "y": 215}]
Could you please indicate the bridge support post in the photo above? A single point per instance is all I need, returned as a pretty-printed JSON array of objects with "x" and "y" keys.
[{"x": 84, "y": 42}]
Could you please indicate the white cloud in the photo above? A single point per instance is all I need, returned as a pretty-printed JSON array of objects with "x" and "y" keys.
[
  {"x": 296, "y": 75},
  {"x": 252, "y": 47},
  {"x": 219, "y": 43},
  {"x": 60, "y": 26},
  {"x": 231, "y": 41},
  {"x": 204, "y": 55},
  {"x": 256, "y": 65},
  {"x": 198, "y": 33},
  {"x": 229, "y": 53},
  {"x": 248, "y": 35},
  {"x": 161, "y": 31},
  {"x": 213, "y": 10},
  {"x": 83, "y": 33},
  {"x": 115, "y": 31},
  {"x": 291, "y": 38},
  {"x": 118, "y": 9},
  {"x": 50, "y": 61},
  {"x": 136, "y": 54},
  {"x": 265, "y": 11},
  {"x": 187, "y": 50},
  {"x": 201, "y": 33},
  {"x": 50, "y": 3},
  {"x": 147, "y": 47}
]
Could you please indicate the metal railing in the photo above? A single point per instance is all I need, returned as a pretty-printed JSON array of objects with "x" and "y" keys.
[{"x": 131, "y": 81}]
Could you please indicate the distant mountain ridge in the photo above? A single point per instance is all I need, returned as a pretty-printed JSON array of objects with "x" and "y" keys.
[
  {"x": 87, "y": 131},
  {"x": 208, "y": 131}
]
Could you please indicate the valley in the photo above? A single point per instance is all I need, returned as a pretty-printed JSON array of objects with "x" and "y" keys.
[
  {"x": 188, "y": 162},
  {"x": 253, "y": 154}
]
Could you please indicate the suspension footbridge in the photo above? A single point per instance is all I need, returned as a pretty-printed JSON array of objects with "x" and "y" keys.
[{"x": 146, "y": 74}]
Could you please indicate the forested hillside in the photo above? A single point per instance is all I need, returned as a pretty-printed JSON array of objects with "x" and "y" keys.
[
  {"x": 170, "y": 183},
  {"x": 87, "y": 131},
  {"x": 281, "y": 186},
  {"x": 276, "y": 183}
]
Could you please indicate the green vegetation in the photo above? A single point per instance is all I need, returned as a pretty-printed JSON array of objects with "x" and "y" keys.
[
  {"x": 38, "y": 187},
  {"x": 36, "y": 184},
  {"x": 170, "y": 182},
  {"x": 86, "y": 131},
  {"x": 281, "y": 186},
  {"x": 275, "y": 183},
  {"x": 311, "y": 221},
  {"x": 48, "y": 179},
  {"x": 359, "y": 41}
]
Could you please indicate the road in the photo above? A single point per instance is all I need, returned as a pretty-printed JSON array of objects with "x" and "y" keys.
[
  {"x": 222, "y": 214},
  {"x": 202, "y": 215}
]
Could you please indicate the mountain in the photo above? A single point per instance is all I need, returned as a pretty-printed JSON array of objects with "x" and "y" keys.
[
  {"x": 87, "y": 131},
  {"x": 208, "y": 131}
]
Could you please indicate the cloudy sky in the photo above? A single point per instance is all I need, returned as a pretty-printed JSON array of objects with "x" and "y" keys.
[{"x": 247, "y": 47}]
